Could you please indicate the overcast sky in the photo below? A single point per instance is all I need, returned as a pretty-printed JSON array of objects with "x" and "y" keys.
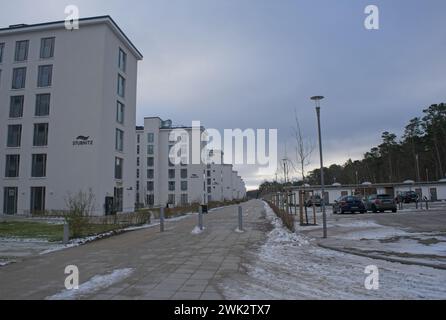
[{"x": 249, "y": 63}]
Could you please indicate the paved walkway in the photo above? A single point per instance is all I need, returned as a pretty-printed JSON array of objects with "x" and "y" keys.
[{"x": 173, "y": 265}]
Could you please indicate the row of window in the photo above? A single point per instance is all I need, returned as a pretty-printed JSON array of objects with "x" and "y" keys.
[
  {"x": 42, "y": 106},
  {"x": 10, "y": 199},
  {"x": 22, "y": 47},
  {"x": 44, "y": 77},
  {"x": 40, "y": 138},
  {"x": 38, "y": 166}
]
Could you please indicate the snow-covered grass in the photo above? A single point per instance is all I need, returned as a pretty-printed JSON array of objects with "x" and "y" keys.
[
  {"x": 93, "y": 285},
  {"x": 293, "y": 266}
]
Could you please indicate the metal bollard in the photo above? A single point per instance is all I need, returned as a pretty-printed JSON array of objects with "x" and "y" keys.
[
  {"x": 200, "y": 218},
  {"x": 66, "y": 233},
  {"x": 240, "y": 218},
  {"x": 162, "y": 219},
  {"x": 427, "y": 205}
]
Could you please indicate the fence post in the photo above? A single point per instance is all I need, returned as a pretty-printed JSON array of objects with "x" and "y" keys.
[
  {"x": 162, "y": 219},
  {"x": 200, "y": 218},
  {"x": 66, "y": 233},
  {"x": 240, "y": 218}
]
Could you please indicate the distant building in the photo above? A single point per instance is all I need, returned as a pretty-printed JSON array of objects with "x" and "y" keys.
[
  {"x": 161, "y": 182},
  {"x": 67, "y": 116}
]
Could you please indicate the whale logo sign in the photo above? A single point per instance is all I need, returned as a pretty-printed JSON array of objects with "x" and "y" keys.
[{"x": 82, "y": 141}]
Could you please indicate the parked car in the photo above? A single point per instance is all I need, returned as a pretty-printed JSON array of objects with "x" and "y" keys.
[
  {"x": 381, "y": 203},
  {"x": 349, "y": 204},
  {"x": 316, "y": 200},
  {"x": 408, "y": 197}
]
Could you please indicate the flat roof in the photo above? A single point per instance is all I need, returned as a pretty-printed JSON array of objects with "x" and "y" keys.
[{"x": 61, "y": 23}]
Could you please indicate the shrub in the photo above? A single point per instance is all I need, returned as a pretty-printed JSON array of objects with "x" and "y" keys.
[
  {"x": 287, "y": 219},
  {"x": 80, "y": 206}
]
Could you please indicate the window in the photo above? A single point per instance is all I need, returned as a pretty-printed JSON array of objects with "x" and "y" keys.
[
  {"x": 171, "y": 199},
  {"x": 183, "y": 185},
  {"x": 171, "y": 173},
  {"x": 47, "y": 48},
  {"x": 18, "y": 78},
  {"x": 184, "y": 199},
  {"x": 37, "y": 199},
  {"x": 138, "y": 138},
  {"x": 150, "y": 186},
  {"x": 138, "y": 162},
  {"x": 45, "y": 75},
  {"x": 171, "y": 164},
  {"x": 38, "y": 167},
  {"x": 21, "y": 51},
  {"x": 118, "y": 196},
  {"x": 42, "y": 105},
  {"x": 16, "y": 107},
  {"x": 10, "y": 196},
  {"x": 40, "y": 135},
  {"x": 183, "y": 173},
  {"x": 171, "y": 185},
  {"x": 119, "y": 140},
  {"x": 120, "y": 112},
  {"x": 2, "y": 49},
  {"x": 12, "y": 166},
  {"x": 137, "y": 188},
  {"x": 150, "y": 199},
  {"x": 150, "y": 162},
  {"x": 122, "y": 63},
  {"x": 150, "y": 149},
  {"x": 138, "y": 149},
  {"x": 137, "y": 173},
  {"x": 150, "y": 137},
  {"x": 119, "y": 166},
  {"x": 150, "y": 173},
  {"x": 14, "y": 135},
  {"x": 121, "y": 86}
]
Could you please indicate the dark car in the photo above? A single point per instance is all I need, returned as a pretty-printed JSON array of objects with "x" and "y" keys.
[
  {"x": 408, "y": 197},
  {"x": 349, "y": 204},
  {"x": 315, "y": 200},
  {"x": 381, "y": 203}
]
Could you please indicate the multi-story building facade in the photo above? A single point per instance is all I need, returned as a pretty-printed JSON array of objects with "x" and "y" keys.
[
  {"x": 67, "y": 116},
  {"x": 161, "y": 182}
]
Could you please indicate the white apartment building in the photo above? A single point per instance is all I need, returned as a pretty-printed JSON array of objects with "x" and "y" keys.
[
  {"x": 67, "y": 116},
  {"x": 161, "y": 182}
]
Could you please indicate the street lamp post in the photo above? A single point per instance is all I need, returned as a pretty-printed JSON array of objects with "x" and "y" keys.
[{"x": 317, "y": 100}]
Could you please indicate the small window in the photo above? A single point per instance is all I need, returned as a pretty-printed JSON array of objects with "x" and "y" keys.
[
  {"x": 183, "y": 185},
  {"x": 150, "y": 162},
  {"x": 47, "y": 48},
  {"x": 14, "y": 135},
  {"x": 183, "y": 173},
  {"x": 171, "y": 185},
  {"x": 16, "y": 107},
  {"x": 119, "y": 167},
  {"x": 171, "y": 199},
  {"x": 2, "y": 49},
  {"x": 150, "y": 137},
  {"x": 45, "y": 75},
  {"x": 150, "y": 186},
  {"x": 42, "y": 105},
  {"x": 38, "y": 169},
  {"x": 40, "y": 135},
  {"x": 119, "y": 140},
  {"x": 12, "y": 166},
  {"x": 21, "y": 51},
  {"x": 137, "y": 173},
  {"x": 150, "y": 149},
  {"x": 150, "y": 174},
  {"x": 120, "y": 110},
  {"x": 138, "y": 162},
  {"x": 138, "y": 138},
  {"x": 121, "y": 86},
  {"x": 138, "y": 149},
  {"x": 184, "y": 199},
  {"x": 171, "y": 173},
  {"x": 122, "y": 63},
  {"x": 18, "y": 78}
]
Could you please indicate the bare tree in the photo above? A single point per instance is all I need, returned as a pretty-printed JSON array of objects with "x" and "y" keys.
[{"x": 304, "y": 148}]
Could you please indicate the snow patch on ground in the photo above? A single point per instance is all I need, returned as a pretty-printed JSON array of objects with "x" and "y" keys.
[
  {"x": 292, "y": 266},
  {"x": 197, "y": 230},
  {"x": 93, "y": 285}
]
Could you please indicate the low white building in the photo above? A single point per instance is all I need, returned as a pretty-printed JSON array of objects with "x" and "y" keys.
[
  {"x": 67, "y": 116},
  {"x": 433, "y": 191}
]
